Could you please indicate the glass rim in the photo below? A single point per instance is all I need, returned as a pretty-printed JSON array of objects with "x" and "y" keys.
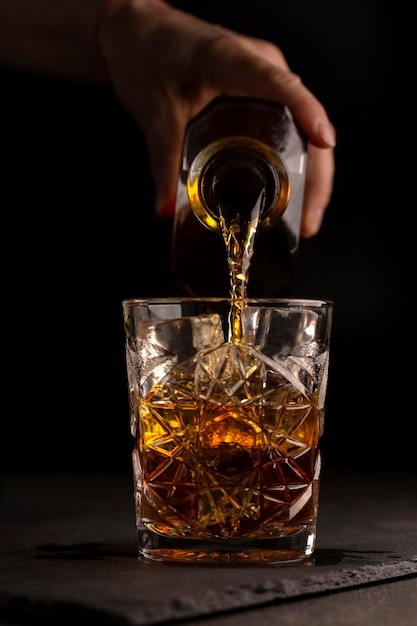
[{"x": 289, "y": 301}]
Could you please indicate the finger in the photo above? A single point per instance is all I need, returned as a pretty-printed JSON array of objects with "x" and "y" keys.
[
  {"x": 164, "y": 130},
  {"x": 267, "y": 50},
  {"x": 243, "y": 72},
  {"x": 318, "y": 189}
]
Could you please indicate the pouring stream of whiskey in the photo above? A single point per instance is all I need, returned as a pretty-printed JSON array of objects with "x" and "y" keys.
[{"x": 239, "y": 235}]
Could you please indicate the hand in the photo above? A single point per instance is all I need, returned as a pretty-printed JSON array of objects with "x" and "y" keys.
[{"x": 167, "y": 65}]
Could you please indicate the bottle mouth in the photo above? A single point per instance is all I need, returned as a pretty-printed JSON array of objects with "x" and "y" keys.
[{"x": 230, "y": 175}]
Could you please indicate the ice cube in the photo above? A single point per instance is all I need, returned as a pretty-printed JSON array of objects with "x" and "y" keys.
[{"x": 160, "y": 346}]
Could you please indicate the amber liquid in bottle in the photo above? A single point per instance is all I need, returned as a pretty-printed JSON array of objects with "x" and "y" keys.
[{"x": 236, "y": 150}]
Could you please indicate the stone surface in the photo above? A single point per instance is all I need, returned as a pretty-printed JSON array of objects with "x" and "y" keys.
[{"x": 68, "y": 552}]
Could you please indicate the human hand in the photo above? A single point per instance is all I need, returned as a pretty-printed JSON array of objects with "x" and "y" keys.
[{"x": 167, "y": 65}]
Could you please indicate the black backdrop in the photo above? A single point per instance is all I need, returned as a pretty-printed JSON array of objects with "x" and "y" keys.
[{"x": 78, "y": 235}]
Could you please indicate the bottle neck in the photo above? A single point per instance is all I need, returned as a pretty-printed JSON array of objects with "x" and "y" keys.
[{"x": 232, "y": 176}]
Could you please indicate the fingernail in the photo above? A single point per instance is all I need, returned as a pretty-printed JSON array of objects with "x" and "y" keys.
[
  {"x": 167, "y": 209},
  {"x": 328, "y": 134}
]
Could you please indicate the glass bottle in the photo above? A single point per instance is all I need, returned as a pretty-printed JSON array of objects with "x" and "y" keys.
[{"x": 235, "y": 149}]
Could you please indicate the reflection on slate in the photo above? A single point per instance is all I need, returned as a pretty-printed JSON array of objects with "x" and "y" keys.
[{"x": 68, "y": 551}]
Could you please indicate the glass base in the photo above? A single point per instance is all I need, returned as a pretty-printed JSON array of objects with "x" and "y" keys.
[{"x": 294, "y": 548}]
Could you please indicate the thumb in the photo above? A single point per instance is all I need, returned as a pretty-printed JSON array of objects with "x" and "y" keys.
[{"x": 164, "y": 137}]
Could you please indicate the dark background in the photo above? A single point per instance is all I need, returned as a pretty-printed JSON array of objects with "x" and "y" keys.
[{"x": 78, "y": 235}]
